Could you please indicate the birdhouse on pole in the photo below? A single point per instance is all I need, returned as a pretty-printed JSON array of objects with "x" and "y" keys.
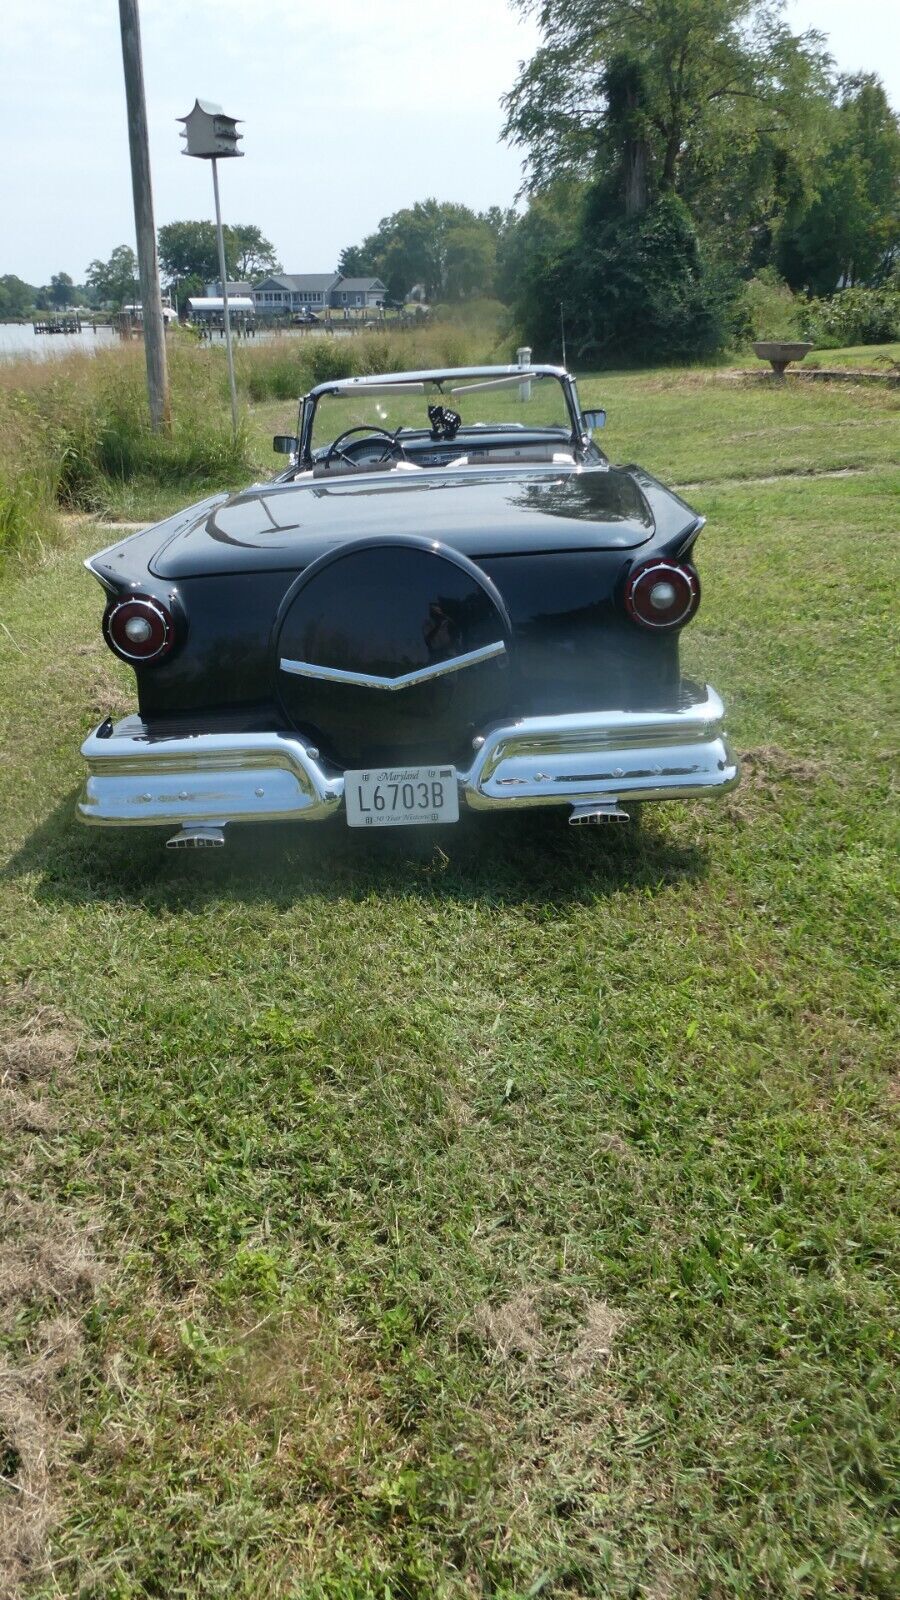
[{"x": 208, "y": 133}]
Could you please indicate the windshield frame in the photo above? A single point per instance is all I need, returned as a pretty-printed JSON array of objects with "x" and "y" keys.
[{"x": 442, "y": 378}]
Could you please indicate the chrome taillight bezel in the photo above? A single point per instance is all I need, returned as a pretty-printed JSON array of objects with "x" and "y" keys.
[
  {"x": 161, "y": 622},
  {"x": 641, "y": 581}
]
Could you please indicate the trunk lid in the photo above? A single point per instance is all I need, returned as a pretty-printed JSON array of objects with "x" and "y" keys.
[{"x": 279, "y": 527}]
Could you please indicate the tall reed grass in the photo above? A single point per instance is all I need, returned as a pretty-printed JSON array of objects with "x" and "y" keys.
[
  {"x": 74, "y": 430},
  {"x": 284, "y": 367}
]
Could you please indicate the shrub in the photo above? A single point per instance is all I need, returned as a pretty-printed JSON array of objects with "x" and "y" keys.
[
  {"x": 768, "y": 309},
  {"x": 854, "y": 316},
  {"x": 326, "y": 358}
]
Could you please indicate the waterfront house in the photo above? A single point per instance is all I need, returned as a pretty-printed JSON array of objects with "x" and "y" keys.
[{"x": 283, "y": 293}]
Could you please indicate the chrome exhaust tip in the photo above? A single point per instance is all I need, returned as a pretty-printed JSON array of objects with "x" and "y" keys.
[
  {"x": 599, "y": 811},
  {"x": 197, "y": 838}
]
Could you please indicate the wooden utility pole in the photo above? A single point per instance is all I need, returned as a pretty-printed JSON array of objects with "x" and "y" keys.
[{"x": 148, "y": 264}]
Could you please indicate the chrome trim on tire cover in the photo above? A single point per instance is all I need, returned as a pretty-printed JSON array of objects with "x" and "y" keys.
[{"x": 406, "y": 680}]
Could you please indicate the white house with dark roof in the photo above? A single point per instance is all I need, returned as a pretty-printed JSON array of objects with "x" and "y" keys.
[
  {"x": 285, "y": 292},
  {"x": 357, "y": 292}
]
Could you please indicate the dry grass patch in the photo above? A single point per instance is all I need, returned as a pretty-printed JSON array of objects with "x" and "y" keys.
[
  {"x": 31, "y": 1429},
  {"x": 593, "y": 1348},
  {"x": 547, "y": 1326},
  {"x": 511, "y": 1329},
  {"x": 22, "y": 1113},
  {"x": 765, "y": 770},
  {"x": 48, "y": 1276},
  {"x": 46, "y": 1255},
  {"x": 36, "y": 1041},
  {"x": 769, "y": 764}
]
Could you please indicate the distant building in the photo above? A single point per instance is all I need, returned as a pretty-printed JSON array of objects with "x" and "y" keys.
[
  {"x": 286, "y": 292},
  {"x": 211, "y": 308},
  {"x": 235, "y": 290},
  {"x": 355, "y": 292},
  {"x": 136, "y": 311}
]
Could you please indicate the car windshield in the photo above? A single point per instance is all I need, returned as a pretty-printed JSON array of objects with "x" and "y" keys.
[{"x": 536, "y": 402}]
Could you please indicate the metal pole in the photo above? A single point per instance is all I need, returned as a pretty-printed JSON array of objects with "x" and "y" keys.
[
  {"x": 148, "y": 264},
  {"x": 220, "y": 237},
  {"x": 562, "y": 329}
]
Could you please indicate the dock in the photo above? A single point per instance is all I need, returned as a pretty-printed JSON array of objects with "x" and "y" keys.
[{"x": 58, "y": 325}]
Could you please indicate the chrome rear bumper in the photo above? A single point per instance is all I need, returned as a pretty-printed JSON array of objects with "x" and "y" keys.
[{"x": 138, "y": 780}]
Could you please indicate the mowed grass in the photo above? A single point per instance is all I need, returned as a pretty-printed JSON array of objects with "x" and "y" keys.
[
  {"x": 699, "y": 425},
  {"x": 499, "y": 1211}
]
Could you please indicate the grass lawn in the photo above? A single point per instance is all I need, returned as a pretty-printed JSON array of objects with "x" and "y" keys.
[{"x": 504, "y": 1211}]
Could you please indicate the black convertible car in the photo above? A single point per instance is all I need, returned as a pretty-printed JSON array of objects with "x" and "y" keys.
[{"x": 449, "y": 598}]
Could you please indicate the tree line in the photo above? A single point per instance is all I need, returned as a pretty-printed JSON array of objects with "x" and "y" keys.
[
  {"x": 188, "y": 258},
  {"x": 675, "y": 152},
  {"x": 687, "y": 165},
  {"x": 676, "y": 149}
]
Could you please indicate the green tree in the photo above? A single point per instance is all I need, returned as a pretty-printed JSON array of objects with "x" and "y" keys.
[
  {"x": 531, "y": 251},
  {"x": 703, "y": 64},
  {"x": 418, "y": 244},
  {"x": 16, "y": 296},
  {"x": 499, "y": 219},
  {"x": 114, "y": 282},
  {"x": 354, "y": 261},
  {"x": 842, "y": 225},
  {"x": 190, "y": 249},
  {"x": 187, "y": 289},
  {"x": 628, "y": 288},
  {"x": 62, "y": 290},
  {"x": 254, "y": 254},
  {"x": 470, "y": 260}
]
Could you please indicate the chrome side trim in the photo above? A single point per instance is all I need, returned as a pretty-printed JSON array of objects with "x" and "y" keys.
[{"x": 406, "y": 680}]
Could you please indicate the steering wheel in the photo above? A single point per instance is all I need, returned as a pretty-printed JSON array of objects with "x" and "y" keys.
[{"x": 392, "y": 446}]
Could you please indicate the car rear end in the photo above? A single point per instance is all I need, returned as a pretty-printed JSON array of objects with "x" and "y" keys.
[{"x": 394, "y": 677}]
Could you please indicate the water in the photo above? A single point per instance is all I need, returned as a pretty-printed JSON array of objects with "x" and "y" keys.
[{"x": 18, "y": 339}]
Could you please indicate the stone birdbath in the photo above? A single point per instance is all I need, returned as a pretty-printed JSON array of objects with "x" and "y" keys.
[{"x": 780, "y": 352}]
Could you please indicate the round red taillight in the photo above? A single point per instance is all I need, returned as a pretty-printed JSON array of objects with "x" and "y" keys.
[
  {"x": 661, "y": 594},
  {"x": 139, "y": 629}
]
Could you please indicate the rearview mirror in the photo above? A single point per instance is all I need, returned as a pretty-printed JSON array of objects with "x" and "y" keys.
[
  {"x": 594, "y": 419},
  {"x": 285, "y": 444}
]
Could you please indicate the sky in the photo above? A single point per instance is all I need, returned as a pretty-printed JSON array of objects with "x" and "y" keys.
[{"x": 351, "y": 111}]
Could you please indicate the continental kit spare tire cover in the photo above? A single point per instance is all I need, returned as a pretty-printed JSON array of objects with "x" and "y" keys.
[{"x": 392, "y": 649}]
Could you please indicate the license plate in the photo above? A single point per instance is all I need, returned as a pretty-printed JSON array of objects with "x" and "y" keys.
[{"x": 400, "y": 797}]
